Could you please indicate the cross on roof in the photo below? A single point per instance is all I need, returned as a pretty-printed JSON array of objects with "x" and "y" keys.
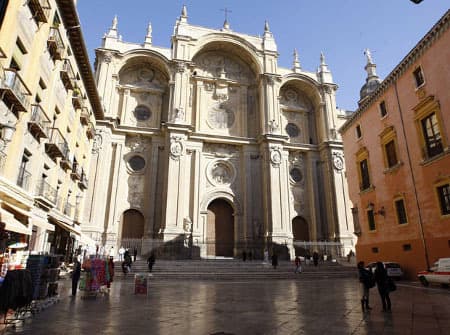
[{"x": 226, "y": 10}]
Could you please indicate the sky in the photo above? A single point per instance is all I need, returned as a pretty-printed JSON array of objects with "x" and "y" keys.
[{"x": 341, "y": 29}]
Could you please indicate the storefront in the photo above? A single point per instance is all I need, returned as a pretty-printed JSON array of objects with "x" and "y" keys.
[{"x": 64, "y": 239}]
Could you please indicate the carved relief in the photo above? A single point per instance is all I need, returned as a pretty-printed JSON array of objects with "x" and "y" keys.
[
  {"x": 97, "y": 145},
  {"x": 220, "y": 116},
  {"x": 220, "y": 173},
  {"x": 136, "y": 143},
  {"x": 294, "y": 99},
  {"x": 338, "y": 161},
  {"x": 296, "y": 169},
  {"x": 220, "y": 150},
  {"x": 142, "y": 75},
  {"x": 136, "y": 190},
  {"x": 176, "y": 147},
  {"x": 275, "y": 156}
]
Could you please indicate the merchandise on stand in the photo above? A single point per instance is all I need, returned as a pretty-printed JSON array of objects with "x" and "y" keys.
[
  {"x": 96, "y": 277},
  {"x": 16, "y": 294}
]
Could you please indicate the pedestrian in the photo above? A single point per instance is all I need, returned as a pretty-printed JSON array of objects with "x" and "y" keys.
[
  {"x": 250, "y": 255},
  {"x": 367, "y": 282},
  {"x": 134, "y": 254},
  {"x": 298, "y": 265},
  {"x": 275, "y": 260},
  {"x": 244, "y": 255},
  {"x": 382, "y": 280},
  {"x": 315, "y": 258},
  {"x": 151, "y": 262},
  {"x": 121, "y": 253},
  {"x": 112, "y": 252},
  {"x": 75, "y": 277}
]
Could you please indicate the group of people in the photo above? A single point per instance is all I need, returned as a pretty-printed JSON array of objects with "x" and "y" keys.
[{"x": 369, "y": 279}]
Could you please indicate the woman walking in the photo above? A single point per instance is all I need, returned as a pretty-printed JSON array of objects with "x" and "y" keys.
[
  {"x": 382, "y": 280},
  {"x": 366, "y": 280}
]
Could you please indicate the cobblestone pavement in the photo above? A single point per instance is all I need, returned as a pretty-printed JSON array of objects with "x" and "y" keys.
[{"x": 302, "y": 306}]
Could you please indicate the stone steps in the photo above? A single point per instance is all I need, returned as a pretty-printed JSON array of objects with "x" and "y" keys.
[{"x": 232, "y": 270}]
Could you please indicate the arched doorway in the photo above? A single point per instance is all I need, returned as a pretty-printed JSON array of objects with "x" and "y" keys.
[
  {"x": 132, "y": 230},
  {"x": 220, "y": 229},
  {"x": 300, "y": 230}
]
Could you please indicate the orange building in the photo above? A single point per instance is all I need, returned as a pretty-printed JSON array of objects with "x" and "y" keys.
[{"x": 397, "y": 154}]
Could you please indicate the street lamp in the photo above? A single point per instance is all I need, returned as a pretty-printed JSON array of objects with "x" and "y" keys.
[{"x": 7, "y": 132}]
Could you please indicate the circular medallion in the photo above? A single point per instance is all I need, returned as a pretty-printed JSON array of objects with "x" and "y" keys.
[
  {"x": 221, "y": 173},
  {"x": 292, "y": 130},
  {"x": 275, "y": 156},
  {"x": 338, "y": 163},
  {"x": 136, "y": 163}
]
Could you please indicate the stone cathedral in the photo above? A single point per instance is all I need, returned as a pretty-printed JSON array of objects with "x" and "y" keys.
[{"x": 210, "y": 146}]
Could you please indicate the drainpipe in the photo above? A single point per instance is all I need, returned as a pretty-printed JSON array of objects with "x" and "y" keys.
[{"x": 422, "y": 234}]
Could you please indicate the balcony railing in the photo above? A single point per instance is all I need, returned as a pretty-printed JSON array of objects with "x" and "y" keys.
[
  {"x": 57, "y": 146},
  {"x": 67, "y": 75},
  {"x": 84, "y": 116},
  {"x": 90, "y": 131},
  {"x": 24, "y": 179},
  {"x": 46, "y": 193},
  {"x": 55, "y": 44},
  {"x": 77, "y": 171},
  {"x": 14, "y": 91},
  {"x": 83, "y": 184},
  {"x": 40, "y": 9},
  {"x": 39, "y": 123}
]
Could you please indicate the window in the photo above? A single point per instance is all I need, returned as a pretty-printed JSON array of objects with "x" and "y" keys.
[
  {"x": 136, "y": 163},
  {"x": 431, "y": 135},
  {"x": 23, "y": 180},
  {"x": 383, "y": 110},
  {"x": 444, "y": 198},
  {"x": 358, "y": 131},
  {"x": 292, "y": 130},
  {"x": 407, "y": 247},
  {"x": 371, "y": 219},
  {"x": 375, "y": 250},
  {"x": 401, "y": 211},
  {"x": 391, "y": 154},
  {"x": 364, "y": 171},
  {"x": 418, "y": 76},
  {"x": 142, "y": 113}
]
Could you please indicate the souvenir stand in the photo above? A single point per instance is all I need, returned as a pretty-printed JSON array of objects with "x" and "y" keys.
[
  {"x": 141, "y": 283},
  {"x": 96, "y": 276}
]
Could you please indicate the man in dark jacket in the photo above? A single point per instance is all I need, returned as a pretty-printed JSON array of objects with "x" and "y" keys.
[
  {"x": 367, "y": 281},
  {"x": 75, "y": 276}
]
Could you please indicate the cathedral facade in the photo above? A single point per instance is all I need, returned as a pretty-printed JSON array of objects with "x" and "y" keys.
[{"x": 210, "y": 146}]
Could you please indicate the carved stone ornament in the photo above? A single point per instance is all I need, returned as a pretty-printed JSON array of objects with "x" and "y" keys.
[
  {"x": 97, "y": 145},
  {"x": 176, "y": 147},
  {"x": 221, "y": 172},
  {"x": 179, "y": 114},
  {"x": 220, "y": 116},
  {"x": 180, "y": 67},
  {"x": 338, "y": 162},
  {"x": 275, "y": 156},
  {"x": 137, "y": 143},
  {"x": 220, "y": 150},
  {"x": 273, "y": 126}
]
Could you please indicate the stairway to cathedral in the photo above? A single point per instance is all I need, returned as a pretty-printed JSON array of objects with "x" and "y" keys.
[{"x": 231, "y": 269}]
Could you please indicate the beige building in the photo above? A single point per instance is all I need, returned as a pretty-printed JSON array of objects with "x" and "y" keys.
[
  {"x": 210, "y": 144},
  {"x": 48, "y": 107}
]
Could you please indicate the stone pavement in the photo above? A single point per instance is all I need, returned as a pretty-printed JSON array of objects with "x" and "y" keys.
[{"x": 301, "y": 306}]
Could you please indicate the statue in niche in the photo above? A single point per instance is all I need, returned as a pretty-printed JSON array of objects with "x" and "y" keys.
[
  {"x": 179, "y": 114},
  {"x": 273, "y": 126}
]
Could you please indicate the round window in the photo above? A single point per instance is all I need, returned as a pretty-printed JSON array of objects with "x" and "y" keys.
[
  {"x": 142, "y": 113},
  {"x": 136, "y": 163},
  {"x": 292, "y": 130},
  {"x": 296, "y": 174}
]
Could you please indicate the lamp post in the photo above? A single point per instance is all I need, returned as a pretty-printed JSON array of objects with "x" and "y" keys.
[{"x": 7, "y": 131}]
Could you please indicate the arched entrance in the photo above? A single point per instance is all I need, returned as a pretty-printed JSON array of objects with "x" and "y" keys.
[
  {"x": 220, "y": 229},
  {"x": 300, "y": 230},
  {"x": 132, "y": 230}
]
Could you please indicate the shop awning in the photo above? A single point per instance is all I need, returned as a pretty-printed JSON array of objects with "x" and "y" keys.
[
  {"x": 33, "y": 219},
  {"x": 68, "y": 227},
  {"x": 12, "y": 224}
]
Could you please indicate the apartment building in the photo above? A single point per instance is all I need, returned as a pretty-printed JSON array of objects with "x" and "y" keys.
[{"x": 48, "y": 109}]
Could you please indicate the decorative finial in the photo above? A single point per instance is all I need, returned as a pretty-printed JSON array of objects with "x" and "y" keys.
[
  {"x": 114, "y": 23},
  {"x": 184, "y": 12},
  {"x": 322, "y": 58},
  {"x": 148, "y": 37},
  {"x": 266, "y": 26},
  {"x": 368, "y": 56},
  {"x": 226, "y": 25},
  {"x": 296, "y": 65}
]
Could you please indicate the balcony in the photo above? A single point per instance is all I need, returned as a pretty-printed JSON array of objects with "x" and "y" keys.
[
  {"x": 90, "y": 131},
  {"x": 66, "y": 162},
  {"x": 77, "y": 171},
  {"x": 83, "y": 184},
  {"x": 57, "y": 145},
  {"x": 40, "y": 9},
  {"x": 39, "y": 123},
  {"x": 24, "y": 179},
  {"x": 55, "y": 44},
  {"x": 84, "y": 116},
  {"x": 77, "y": 100},
  {"x": 67, "y": 75},
  {"x": 45, "y": 194},
  {"x": 14, "y": 92}
]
